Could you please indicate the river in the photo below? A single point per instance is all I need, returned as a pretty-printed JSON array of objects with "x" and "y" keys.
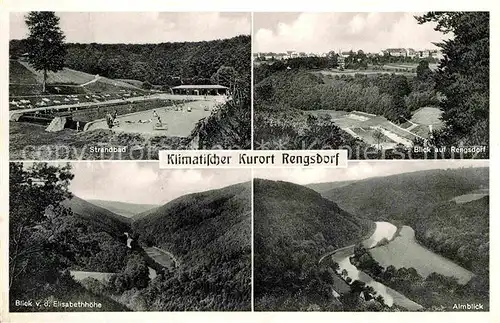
[
  {"x": 391, "y": 297},
  {"x": 383, "y": 230},
  {"x": 405, "y": 251}
]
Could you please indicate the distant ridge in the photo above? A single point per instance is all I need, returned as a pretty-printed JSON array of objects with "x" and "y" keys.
[{"x": 125, "y": 209}]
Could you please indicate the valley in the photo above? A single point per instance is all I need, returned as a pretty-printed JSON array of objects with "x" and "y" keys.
[
  {"x": 408, "y": 257},
  {"x": 192, "y": 253}
]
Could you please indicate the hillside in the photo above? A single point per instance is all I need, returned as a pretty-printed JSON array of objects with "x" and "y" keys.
[
  {"x": 104, "y": 219},
  {"x": 25, "y": 80},
  {"x": 191, "y": 225},
  {"x": 402, "y": 197},
  {"x": 291, "y": 210},
  {"x": 293, "y": 227},
  {"x": 209, "y": 233},
  {"x": 127, "y": 210}
]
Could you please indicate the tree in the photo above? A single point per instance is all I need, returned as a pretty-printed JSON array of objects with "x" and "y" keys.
[
  {"x": 226, "y": 76},
  {"x": 463, "y": 74},
  {"x": 35, "y": 200},
  {"x": 423, "y": 70},
  {"x": 45, "y": 43},
  {"x": 378, "y": 136},
  {"x": 357, "y": 286}
]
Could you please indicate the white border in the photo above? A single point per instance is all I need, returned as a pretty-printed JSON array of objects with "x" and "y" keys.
[{"x": 253, "y": 5}]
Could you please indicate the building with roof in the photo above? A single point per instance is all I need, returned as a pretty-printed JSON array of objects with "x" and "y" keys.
[{"x": 196, "y": 89}]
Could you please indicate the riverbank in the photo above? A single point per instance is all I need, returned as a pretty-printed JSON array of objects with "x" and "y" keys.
[{"x": 384, "y": 231}]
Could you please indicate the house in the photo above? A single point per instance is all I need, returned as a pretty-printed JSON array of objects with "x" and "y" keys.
[
  {"x": 292, "y": 54},
  {"x": 280, "y": 56},
  {"x": 206, "y": 89},
  {"x": 397, "y": 52},
  {"x": 424, "y": 53},
  {"x": 410, "y": 52}
]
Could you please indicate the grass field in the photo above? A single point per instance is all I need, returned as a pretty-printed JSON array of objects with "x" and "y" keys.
[
  {"x": 367, "y": 135},
  {"x": 136, "y": 83},
  {"x": 405, "y": 251},
  {"x": 160, "y": 257},
  {"x": 391, "y": 297},
  {"x": 427, "y": 116},
  {"x": 19, "y": 74}
]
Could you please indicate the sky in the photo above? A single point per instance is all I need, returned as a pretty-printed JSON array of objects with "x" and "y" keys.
[
  {"x": 358, "y": 170},
  {"x": 145, "y": 183},
  {"x": 323, "y": 32},
  {"x": 142, "y": 27}
]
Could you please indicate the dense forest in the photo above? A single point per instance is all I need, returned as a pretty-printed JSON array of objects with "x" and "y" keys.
[
  {"x": 161, "y": 64},
  {"x": 293, "y": 227}
]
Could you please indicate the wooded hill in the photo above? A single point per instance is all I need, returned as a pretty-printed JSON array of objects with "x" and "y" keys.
[
  {"x": 210, "y": 235},
  {"x": 293, "y": 227}
]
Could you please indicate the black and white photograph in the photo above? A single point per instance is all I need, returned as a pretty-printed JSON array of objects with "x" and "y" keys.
[
  {"x": 377, "y": 236},
  {"x": 124, "y": 85},
  {"x": 111, "y": 236},
  {"x": 382, "y": 85}
]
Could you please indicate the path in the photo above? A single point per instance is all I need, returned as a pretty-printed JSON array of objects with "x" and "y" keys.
[
  {"x": 96, "y": 78},
  {"x": 335, "y": 251}
]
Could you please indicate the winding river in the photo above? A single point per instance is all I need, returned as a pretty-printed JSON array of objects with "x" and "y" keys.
[{"x": 391, "y": 297}]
